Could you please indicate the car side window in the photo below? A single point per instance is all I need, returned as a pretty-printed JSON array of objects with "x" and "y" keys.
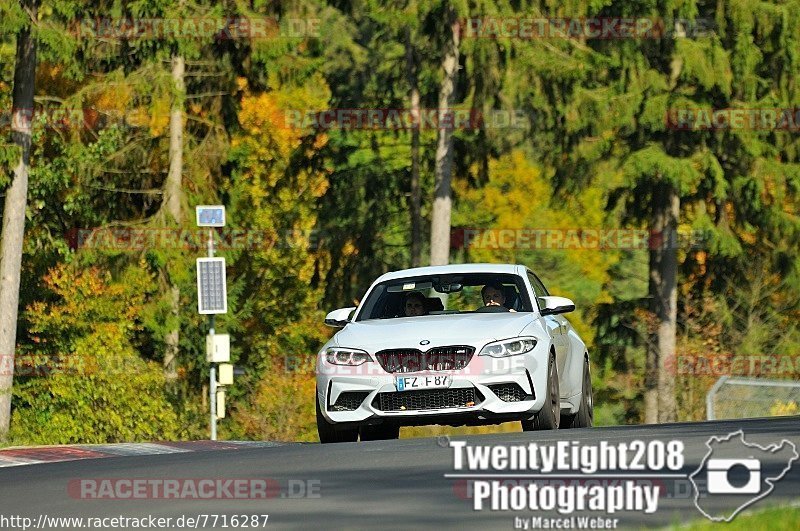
[{"x": 538, "y": 288}]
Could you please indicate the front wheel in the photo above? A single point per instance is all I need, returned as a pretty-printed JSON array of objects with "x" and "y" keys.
[
  {"x": 328, "y": 433},
  {"x": 549, "y": 416}
]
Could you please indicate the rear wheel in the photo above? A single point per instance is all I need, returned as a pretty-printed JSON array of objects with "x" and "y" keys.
[
  {"x": 584, "y": 418},
  {"x": 329, "y": 434},
  {"x": 381, "y": 432},
  {"x": 549, "y": 416}
]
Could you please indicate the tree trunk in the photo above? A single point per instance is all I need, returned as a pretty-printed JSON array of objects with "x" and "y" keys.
[
  {"x": 442, "y": 200},
  {"x": 416, "y": 192},
  {"x": 172, "y": 188},
  {"x": 173, "y": 201},
  {"x": 660, "y": 404},
  {"x": 13, "y": 234}
]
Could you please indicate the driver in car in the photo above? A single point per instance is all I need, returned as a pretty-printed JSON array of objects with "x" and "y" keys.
[
  {"x": 492, "y": 294},
  {"x": 415, "y": 304}
]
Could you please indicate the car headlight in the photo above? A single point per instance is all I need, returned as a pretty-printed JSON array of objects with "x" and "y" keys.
[
  {"x": 346, "y": 356},
  {"x": 508, "y": 347}
]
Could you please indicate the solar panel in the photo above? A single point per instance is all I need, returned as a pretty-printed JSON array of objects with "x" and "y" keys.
[{"x": 212, "y": 296}]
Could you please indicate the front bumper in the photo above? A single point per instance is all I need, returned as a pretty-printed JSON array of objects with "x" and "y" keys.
[{"x": 488, "y": 390}]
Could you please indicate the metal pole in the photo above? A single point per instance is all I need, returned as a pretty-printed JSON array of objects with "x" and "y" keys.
[
  {"x": 212, "y": 385},
  {"x": 212, "y": 388},
  {"x": 710, "y": 414}
]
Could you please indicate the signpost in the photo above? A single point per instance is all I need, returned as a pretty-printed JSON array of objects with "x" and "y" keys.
[
  {"x": 210, "y": 215},
  {"x": 212, "y": 298}
]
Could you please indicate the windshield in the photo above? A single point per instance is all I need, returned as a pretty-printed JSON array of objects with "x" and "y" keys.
[{"x": 445, "y": 295}]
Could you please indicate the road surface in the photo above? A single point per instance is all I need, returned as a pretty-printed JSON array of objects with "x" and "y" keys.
[{"x": 373, "y": 485}]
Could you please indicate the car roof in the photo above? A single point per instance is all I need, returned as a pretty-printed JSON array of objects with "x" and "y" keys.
[{"x": 514, "y": 269}]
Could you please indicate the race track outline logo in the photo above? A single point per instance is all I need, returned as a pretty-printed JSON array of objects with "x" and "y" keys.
[{"x": 726, "y": 463}]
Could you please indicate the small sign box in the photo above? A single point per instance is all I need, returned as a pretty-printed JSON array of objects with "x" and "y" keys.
[
  {"x": 225, "y": 374},
  {"x": 210, "y": 215},
  {"x": 212, "y": 293},
  {"x": 218, "y": 348},
  {"x": 221, "y": 403}
]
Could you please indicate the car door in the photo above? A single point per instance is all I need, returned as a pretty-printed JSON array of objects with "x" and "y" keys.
[{"x": 556, "y": 325}]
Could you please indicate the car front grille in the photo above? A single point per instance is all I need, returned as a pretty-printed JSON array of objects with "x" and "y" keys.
[
  {"x": 450, "y": 358},
  {"x": 428, "y": 399},
  {"x": 510, "y": 392},
  {"x": 349, "y": 401}
]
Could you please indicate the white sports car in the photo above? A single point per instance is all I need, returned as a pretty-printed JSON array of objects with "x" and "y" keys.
[{"x": 465, "y": 344}]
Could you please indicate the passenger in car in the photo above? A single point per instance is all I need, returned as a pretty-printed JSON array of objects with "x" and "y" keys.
[{"x": 415, "y": 304}]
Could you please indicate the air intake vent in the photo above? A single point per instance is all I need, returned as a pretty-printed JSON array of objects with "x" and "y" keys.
[
  {"x": 430, "y": 399},
  {"x": 510, "y": 392},
  {"x": 349, "y": 401}
]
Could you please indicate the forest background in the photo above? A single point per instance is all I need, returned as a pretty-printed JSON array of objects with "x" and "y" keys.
[{"x": 141, "y": 110}]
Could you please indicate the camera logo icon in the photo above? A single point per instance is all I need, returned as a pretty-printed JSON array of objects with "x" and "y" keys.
[
  {"x": 724, "y": 476},
  {"x": 735, "y": 474}
]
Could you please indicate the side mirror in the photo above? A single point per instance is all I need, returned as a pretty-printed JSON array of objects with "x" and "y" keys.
[
  {"x": 551, "y": 305},
  {"x": 339, "y": 318}
]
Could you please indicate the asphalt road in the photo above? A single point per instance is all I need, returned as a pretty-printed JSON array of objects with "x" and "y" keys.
[{"x": 373, "y": 485}]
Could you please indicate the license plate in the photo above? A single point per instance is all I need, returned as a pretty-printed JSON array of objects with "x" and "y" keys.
[{"x": 431, "y": 381}]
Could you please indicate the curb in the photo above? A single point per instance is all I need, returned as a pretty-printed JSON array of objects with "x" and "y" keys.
[{"x": 55, "y": 454}]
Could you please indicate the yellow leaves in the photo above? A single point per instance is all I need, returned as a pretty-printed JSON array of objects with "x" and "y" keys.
[
  {"x": 138, "y": 117},
  {"x": 262, "y": 117},
  {"x": 280, "y": 197},
  {"x": 116, "y": 97},
  {"x": 282, "y": 408},
  {"x": 52, "y": 76},
  {"x": 780, "y": 408},
  {"x": 749, "y": 237},
  {"x": 159, "y": 115},
  {"x": 52, "y": 71},
  {"x": 86, "y": 298},
  {"x": 700, "y": 257},
  {"x": 515, "y": 206},
  {"x": 349, "y": 249},
  {"x": 320, "y": 141},
  {"x": 319, "y": 187},
  {"x": 516, "y": 189},
  {"x": 266, "y": 148}
]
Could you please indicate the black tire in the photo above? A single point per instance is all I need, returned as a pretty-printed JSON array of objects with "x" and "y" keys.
[
  {"x": 329, "y": 434},
  {"x": 584, "y": 418},
  {"x": 381, "y": 432},
  {"x": 549, "y": 416}
]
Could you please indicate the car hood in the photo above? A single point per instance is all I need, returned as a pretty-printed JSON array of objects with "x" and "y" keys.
[{"x": 407, "y": 332}]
